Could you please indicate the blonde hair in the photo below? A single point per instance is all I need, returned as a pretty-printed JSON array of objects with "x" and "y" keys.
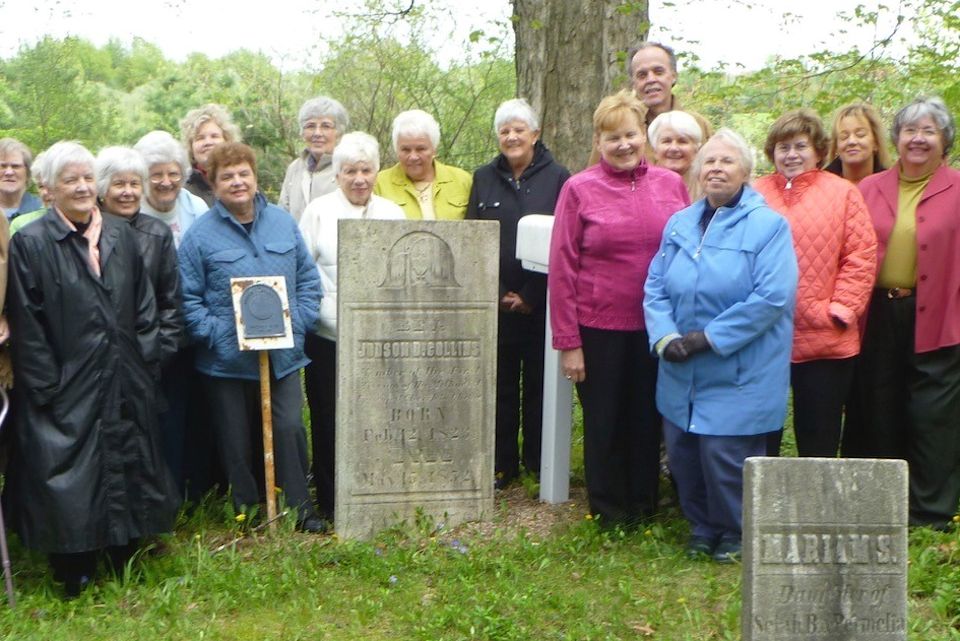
[
  {"x": 611, "y": 113},
  {"x": 196, "y": 118},
  {"x": 870, "y": 115}
]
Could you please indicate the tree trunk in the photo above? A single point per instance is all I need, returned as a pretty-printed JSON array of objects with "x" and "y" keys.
[{"x": 569, "y": 55}]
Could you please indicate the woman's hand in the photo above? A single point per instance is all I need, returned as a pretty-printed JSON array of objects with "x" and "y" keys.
[
  {"x": 571, "y": 364},
  {"x": 4, "y": 330},
  {"x": 513, "y": 302}
]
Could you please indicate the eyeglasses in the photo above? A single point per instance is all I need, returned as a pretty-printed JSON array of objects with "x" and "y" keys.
[
  {"x": 326, "y": 126},
  {"x": 926, "y": 132},
  {"x": 173, "y": 176}
]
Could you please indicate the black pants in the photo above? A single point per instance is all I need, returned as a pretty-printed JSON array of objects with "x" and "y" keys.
[
  {"x": 235, "y": 404},
  {"x": 621, "y": 425},
  {"x": 820, "y": 389},
  {"x": 519, "y": 393},
  {"x": 320, "y": 380},
  {"x": 907, "y": 405}
]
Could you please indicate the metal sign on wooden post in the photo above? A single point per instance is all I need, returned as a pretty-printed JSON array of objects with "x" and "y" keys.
[{"x": 262, "y": 313}]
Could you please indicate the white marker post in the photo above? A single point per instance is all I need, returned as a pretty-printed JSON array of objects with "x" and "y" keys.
[
  {"x": 262, "y": 314},
  {"x": 533, "y": 250}
]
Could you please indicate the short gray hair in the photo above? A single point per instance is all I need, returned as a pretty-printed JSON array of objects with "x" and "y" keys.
[
  {"x": 733, "y": 139},
  {"x": 680, "y": 121},
  {"x": 118, "y": 160},
  {"x": 63, "y": 153},
  {"x": 14, "y": 146},
  {"x": 159, "y": 148},
  {"x": 325, "y": 106},
  {"x": 932, "y": 106},
  {"x": 416, "y": 123},
  {"x": 516, "y": 109},
  {"x": 356, "y": 146},
  {"x": 39, "y": 168},
  {"x": 647, "y": 44}
]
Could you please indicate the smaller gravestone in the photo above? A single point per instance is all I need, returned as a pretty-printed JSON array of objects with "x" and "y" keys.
[
  {"x": 825, "y": 550},
  {"x": 417, "y": 371}
]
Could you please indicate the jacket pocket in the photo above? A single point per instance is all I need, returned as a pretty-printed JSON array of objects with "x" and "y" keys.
[
  {"x": 280, "y": 247},
  {"x": 227, "y": 256}
]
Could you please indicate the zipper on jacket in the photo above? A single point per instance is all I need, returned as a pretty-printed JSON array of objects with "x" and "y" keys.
[
  {"x": 633, "y": 183},
  {"x": 696, "y": 254}
]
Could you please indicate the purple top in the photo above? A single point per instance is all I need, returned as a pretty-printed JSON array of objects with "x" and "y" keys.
[{"x": 608, "y": 228}]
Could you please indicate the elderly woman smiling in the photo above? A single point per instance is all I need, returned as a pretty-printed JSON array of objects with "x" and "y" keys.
[
  {"x": 201, "y": 130},
  {"x": 908, "y": 378},
  {"x": 609, "y": 219},
  {"x": 675, "y": 137},
  {"x": 87, "y": 473},
  {"x": 719, "y": 308},
  {"x": 322, "y": 121},
  {"x": 168, "y": 169},
  {"x": 355, "y": 163},
  {"x": 424, "y": 187},
  {"x": 15, "y": 160},
  {"x": 523, "y": 179},
  {"x": 242, "y": 236}
]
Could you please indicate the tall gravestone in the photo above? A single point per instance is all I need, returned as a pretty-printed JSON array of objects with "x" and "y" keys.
[
  {"x": 825, "y": 550},
  {"x": 416, "y": 354}
]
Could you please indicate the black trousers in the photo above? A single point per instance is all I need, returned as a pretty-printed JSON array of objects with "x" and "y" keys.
[
  {"x": 907, "y": 405},
  {"x": 235, "y": 404},
  {"x": 621, "y": 425},
  {"x": 820, "y": 389},
  {"x": 519, "y": 393},
  {"x": 320, "y": 381}
]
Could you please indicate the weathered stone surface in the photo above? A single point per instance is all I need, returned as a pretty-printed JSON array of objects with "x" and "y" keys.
[
  {"x": 416, "y": 349},
  {"x": 825, "y": 549}
]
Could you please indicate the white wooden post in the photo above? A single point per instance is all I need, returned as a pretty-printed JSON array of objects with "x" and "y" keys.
[{"x": 533, "y": 250}]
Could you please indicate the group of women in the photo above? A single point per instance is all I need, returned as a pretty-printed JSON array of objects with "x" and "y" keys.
[
  {"x": 686, "y": 322},
  {"x": 835, "y": 276}
]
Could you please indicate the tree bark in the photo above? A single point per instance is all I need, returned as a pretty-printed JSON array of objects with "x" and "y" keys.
[{"x": 569, "y": 55}]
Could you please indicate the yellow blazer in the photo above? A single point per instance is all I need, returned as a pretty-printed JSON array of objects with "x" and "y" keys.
[{"x": 451, "y": 191}]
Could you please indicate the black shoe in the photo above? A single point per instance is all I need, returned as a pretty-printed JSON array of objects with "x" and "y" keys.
[
  {"x": 313, "y": 525},
  {"x": 727, "y": 551},
  {"x": 700, "y": 547},
  {"x": 75, "y": 585}
]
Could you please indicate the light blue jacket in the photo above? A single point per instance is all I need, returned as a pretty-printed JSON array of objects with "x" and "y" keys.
[
  {"x": 737, "y": 282},
  {"x": 217, "y": 248}
]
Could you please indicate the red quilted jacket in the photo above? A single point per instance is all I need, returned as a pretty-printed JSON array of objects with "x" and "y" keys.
[{"x": 836, "y": 251}]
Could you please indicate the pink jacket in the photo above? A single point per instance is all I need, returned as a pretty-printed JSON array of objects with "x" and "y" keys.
[
  {"x": 607, "y": 228},
  {"x": 837, "y": 255},
  {"x": 938, "y": 245}
]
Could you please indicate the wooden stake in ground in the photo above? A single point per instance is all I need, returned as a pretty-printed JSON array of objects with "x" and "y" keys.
[{"x": 267, "y": 413}]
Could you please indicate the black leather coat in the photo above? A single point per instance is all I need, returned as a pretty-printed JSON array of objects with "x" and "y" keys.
[{"x": 86, "y": 470}]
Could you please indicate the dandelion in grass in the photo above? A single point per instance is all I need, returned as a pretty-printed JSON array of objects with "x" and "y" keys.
[{"x": 240, "y": 518}]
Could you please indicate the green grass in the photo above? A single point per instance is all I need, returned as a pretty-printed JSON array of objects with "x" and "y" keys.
[{"x": 580, "y": 582}]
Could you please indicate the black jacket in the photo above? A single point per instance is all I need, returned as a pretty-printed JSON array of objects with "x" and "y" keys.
[
  {"x": 495, "y": 195},
  {"x": 198, "y": 186},
  {"x": 159, "y": 255},
  {"x": 86, "y": 470}
]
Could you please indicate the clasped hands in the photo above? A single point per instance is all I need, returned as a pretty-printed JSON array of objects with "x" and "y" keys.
[{"x": 680, "y": 349}]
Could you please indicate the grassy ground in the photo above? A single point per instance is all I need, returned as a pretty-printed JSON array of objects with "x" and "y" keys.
[{"x": 535, "y": 573}]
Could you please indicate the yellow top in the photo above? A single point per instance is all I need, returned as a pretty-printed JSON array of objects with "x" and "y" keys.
[
  {"x": 451, "y": 191},
  {"x": 899, "y": 268}
]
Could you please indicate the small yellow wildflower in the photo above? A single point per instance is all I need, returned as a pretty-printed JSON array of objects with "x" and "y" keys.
[
  {"x": 240, "y": 518},
  {"x": 682, "y": 600},
  {"x": 588, "y": 517},
  {"x": 648, "y": 532},
  {"x": 956, "y": 518}
]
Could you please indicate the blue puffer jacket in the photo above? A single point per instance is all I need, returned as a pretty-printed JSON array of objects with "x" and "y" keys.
[
  {"x": 217, "y": 248},
  {"x": 738, "y": 283}
]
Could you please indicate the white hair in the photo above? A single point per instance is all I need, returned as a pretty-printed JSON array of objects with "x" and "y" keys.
[
  {"x": 159, "y": 148},
  {"x": 63, "y": 153},
  {"x": 415, "y": 123},
  {"x": 356, "y": 146},
  {"x": 118, "y": 160},
  {"x": 733, "y": 139},
  {"x": 38, "y": 169},
  {"x": 516, "y": 109},
  {"x": 680, "y": 121}
]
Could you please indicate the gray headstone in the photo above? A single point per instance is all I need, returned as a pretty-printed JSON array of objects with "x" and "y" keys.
[
  {"x": 825, "y": 549},
  {"x": 262, "y": 312},
  {"x": 416, "y": 354}
]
